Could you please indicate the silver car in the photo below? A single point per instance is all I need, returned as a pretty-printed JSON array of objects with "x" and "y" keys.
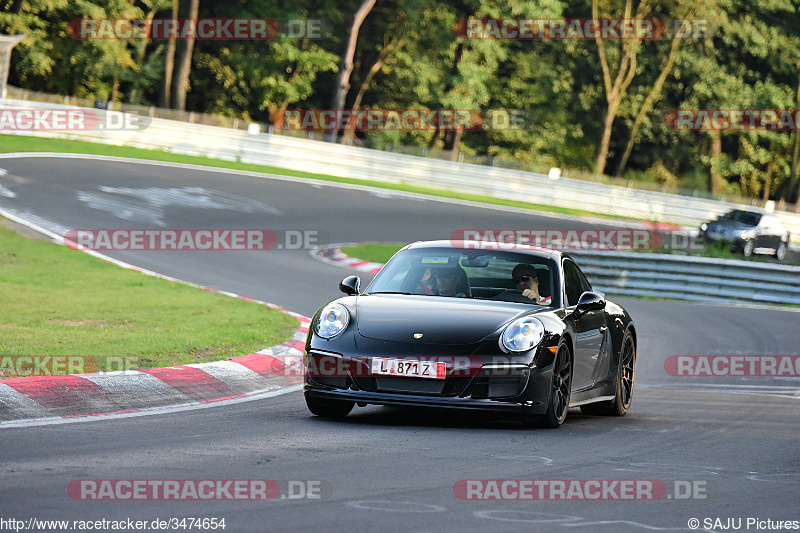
[{"x": 749, "y": 232}]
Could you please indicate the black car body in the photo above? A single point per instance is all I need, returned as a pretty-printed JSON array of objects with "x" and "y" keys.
[
  {"x": 584, "y": 356},
  {"x": 748, "y": 232}
]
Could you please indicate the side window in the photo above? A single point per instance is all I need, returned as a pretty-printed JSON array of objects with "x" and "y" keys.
[
  {"x": 575, "y": 283},
  {"x": 586, "y": 286}
]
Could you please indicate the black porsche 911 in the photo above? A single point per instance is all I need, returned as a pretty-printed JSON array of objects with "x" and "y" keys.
[{"x": 446, "y": 325}]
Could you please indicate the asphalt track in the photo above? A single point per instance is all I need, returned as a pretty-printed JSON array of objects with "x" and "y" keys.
[{"x": 388, "y": 469}]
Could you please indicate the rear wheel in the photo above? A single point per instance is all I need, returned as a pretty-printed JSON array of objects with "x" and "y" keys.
[
  {"x": 625, "y": 373},
  {"x": 560, "y": 389},
  {"x": 329, "y": 408}
]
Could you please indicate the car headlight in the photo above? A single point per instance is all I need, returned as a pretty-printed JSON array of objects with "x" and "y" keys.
[
  {"x": 747, "y": 234},
  {"x": 703, "y": 226},
  {"x": 522, "y": 334},
  {"x": 332, "y": 320}
]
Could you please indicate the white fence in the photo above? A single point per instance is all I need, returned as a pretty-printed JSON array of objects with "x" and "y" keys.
[{"x": 367, "y": 164}]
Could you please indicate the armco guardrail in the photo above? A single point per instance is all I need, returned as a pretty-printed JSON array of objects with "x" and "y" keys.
[
  {"x": 367, "y": 164},
  {"x": 691, "y": 278}
]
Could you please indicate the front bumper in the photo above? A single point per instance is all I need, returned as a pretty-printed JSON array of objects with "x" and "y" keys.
[
  {"x": 509, "y": 388},
  {"x": 734, "y": 239}
]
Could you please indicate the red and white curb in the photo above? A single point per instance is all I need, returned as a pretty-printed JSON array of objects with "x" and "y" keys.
[
  {"x": 107, "y": 393},
  {"x": 54, "y": 398},
  {"x": 332, "y": 254}
]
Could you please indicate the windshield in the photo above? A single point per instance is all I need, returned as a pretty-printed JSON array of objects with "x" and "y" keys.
[
  {"x": 745, "y": 217},
  {"x": 445, "y": 272}
]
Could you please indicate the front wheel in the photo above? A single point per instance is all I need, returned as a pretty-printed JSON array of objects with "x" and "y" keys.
[
  {"x": 625, "y": 373},
  {"x": 780, "y": 252},
  {"x": 560, "y": 389},
  {"x": 329, "y": 408},
  {"x": 749, "y": 246}
]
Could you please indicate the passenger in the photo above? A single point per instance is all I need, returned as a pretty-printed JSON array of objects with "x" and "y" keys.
[{"x": 452, "y": 282}]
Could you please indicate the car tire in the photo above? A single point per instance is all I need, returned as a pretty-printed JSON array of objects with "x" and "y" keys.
[
  {"x": 780, "y": 252},
  {"x": 748, "y": 248},
  {"x": 625, "y": 376},
  {"x": 329, "y": 408},
  {"x": 560, "y": 389}
]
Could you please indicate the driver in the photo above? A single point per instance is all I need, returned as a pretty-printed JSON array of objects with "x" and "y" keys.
[{"x": 525, "y": 280}]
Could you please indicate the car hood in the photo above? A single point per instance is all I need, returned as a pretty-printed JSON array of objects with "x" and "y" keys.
[{"x": 396, "y": 317}]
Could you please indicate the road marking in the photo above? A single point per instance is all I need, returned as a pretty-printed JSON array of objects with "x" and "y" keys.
[
  {"x": 395, "y": 507},
  {"x": 670, "y": 467},
  {"x": 775, "y": 478},
  {"x": 534, "y": 517},
  {"x": 526, "y": 516}
]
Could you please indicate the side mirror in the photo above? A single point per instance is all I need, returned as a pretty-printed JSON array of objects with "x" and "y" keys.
[
  {"x": 351, "y": 285},
  {"x": 590, "y": 301}
]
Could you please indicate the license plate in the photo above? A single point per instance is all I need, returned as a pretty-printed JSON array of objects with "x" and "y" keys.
[{"x": 409, "y": 368}]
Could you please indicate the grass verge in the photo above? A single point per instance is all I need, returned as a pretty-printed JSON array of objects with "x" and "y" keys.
[
  {"x": 373, "y": 252},
  {"x": 62, "y": 302}
]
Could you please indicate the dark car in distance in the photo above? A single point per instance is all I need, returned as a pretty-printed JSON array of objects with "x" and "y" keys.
[
  {"x": 486, "y": 346},
  {"x": 748, "y": 232}
]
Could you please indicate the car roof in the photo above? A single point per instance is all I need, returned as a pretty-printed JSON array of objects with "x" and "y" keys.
[
  {"x": 757, "y": 211},
  {"x": 534, "y": 251},
  {"x": 754, "y": 210}
]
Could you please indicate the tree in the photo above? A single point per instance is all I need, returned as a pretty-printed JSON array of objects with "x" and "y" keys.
[
  {"x": 653, "y": 94},
  {"x": 183, "y": 59},
  {"x": 165, "y": 94},
  {"x": 52, "y": 60},
  {"x": 615, "y": 84},
  {"x": 259, "y": 79},
  {"x": 346, "y": 63}
]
